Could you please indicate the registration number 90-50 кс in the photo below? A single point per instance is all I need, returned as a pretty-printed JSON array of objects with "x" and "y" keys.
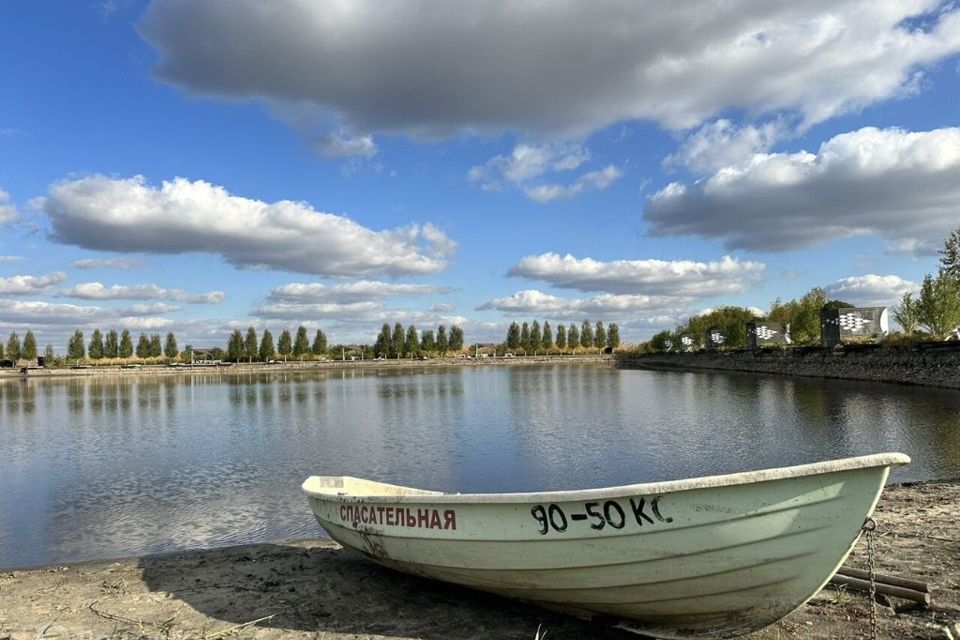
[{"x": 599, "y": 515}]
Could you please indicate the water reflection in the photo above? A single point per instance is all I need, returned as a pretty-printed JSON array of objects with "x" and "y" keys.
[{"x": 100, "y": 467}]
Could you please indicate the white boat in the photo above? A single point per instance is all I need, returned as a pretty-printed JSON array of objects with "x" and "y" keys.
[{"x": 717, "y": 556}]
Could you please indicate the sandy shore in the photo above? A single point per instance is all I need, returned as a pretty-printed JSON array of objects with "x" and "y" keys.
[{"x": 314, "y": 589}]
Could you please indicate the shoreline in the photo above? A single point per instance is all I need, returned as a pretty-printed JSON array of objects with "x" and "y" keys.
[{"x": 314, "y": 589}]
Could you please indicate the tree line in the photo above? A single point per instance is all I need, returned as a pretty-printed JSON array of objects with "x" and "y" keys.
[
  {"x": 532, "y": 338},
  {"x": 409, "y": 343}
]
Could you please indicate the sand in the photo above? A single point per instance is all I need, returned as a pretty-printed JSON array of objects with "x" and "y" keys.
[{"x": 314, "y": 589}]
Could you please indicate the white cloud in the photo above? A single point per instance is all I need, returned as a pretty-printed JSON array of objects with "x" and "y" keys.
[
  {"x": 889, "y": 182},
  {"x": 8, "y": 212},
  {"x": 666, "y": 277},
  {"x": 106, "y": 263},
  {"x": 566, "y": 67},
  {"x": 914, "y": 247},
  {"x": 442, "y": 308},
  {"x": 604, "y": 306},
  {"x": 97, "y": 291},
  {"x": 528, "y": 165},
  {"x": 338, "y": 144},
  {"x": 351, "y": 292},
  {"x": 870, "y": 290},
  {"x": 181, "y": 216},
  {"x": 10, "y": 259},
  {"x": 30, "y": 285},
  {"x": 722, "y": 144}
]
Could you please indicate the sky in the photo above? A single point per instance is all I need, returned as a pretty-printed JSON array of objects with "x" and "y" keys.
[{"x": 197, "y": 166}]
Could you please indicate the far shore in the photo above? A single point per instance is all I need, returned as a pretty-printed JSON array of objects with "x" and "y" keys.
[
  {"x": 313, "y": 589},
  {"x": 132, "y": 371}
]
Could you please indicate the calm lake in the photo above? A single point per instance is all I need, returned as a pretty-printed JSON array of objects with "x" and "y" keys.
[{"x": 98, "y": 468}]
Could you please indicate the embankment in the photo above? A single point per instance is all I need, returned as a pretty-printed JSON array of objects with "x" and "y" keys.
[{"x": 929, "y": 364}]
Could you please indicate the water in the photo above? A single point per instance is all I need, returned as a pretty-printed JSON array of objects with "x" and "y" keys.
[{"x": 98, "y": 468}]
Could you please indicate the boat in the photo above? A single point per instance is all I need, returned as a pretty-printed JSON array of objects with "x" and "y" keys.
[{"x": 717, "y": 556}]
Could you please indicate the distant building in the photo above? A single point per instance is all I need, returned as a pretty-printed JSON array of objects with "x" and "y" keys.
[
  {"x": 840, "y": 325},
  {"x": 767, "y": 334}
]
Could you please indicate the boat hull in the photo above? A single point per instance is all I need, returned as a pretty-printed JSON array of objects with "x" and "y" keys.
[{"x": 710, "y": 557}]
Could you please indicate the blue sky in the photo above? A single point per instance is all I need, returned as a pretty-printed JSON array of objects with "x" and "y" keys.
[{"x": 205, "y": 165}]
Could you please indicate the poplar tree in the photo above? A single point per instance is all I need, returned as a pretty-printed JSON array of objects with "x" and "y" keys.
[
  {"x": 170, "y": 347},
  {"x": 427, "y": 341},
  {"x": 381, "y": 348},
  {"x": 235, "y": 346},
  {"x": 155, "y": 349},
  {"x": 600, "y": 336},
  {"x": 536, "y": 338},
  {"x": 266, "y": 346},
  {"x": 513, "y": 336},
  {"x": 613, "y": 336},
  {"x": 75, "y": 347},
  {"x": 412, "y": 341},
  {"x": 525, "y": 337},
  {"x": 13, "y": 347},
  {"x": 125, "y": 350},
  {"x": 561, "y": 337},
  {"x": 456, "y": 338},
  {"x": 250, "y": 344},
  {"x": 285, "y": 343},
  {"x": 586, "y": 334},
  {"x": 48, "y": 355},
  {"x": 319, "y": 346},
  {"x": 143, "y": 346},
  {"x": 2, "y": 348},
  {"x": 396, "y": 342},
  {"x": 573, "y": 337},
  {"x": 29, "y": 346},
  {"x": 442, "y": 343},
  {"x": 111, "y": 349},
  {"x": 301, "y": 345},
  {"x": 95, "y": 350},
  {"x": 547, "y": 337}
]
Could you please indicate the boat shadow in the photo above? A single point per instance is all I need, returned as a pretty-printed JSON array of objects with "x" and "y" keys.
[{"x": 315, "y": 587}]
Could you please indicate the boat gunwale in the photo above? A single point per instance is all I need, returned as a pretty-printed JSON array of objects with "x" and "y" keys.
[{"x": 336, "y": 494}]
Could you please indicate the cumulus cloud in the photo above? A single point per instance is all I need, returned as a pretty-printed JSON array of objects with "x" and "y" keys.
[
  {"x": 532, "y": 301},
  {"x": 870, "y": 290},
  {"x": 665, "y": 277},
  {"x": 348, "y": 293},
  {"x": 30, "y": 285},
  {"x": 103, "y": 213},
  {"x": 890, "y": 182},
  {"x": 338, "y": 144},
  {"x": 567, "y": 67},
  {"x": 106, "y": 263},
  {"x": 97, "y": 291},
  {"x": 527, "y": 167},
  {"x": 8, "y": 212},
  {"x": 722, "y": 144}
]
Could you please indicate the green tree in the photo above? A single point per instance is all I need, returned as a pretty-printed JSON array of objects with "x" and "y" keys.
[
  {"x": 48, "y": 355},
  {"x": 187, "y": 353},
  {"x": 907, "y": 313},
  {"x": 250, "y": 344},
  {"x": 13, "y": 347},
  {"x": 442, "y": 342},
  {"x": 803, "y": 316},
  {"x": 600, "y": 336},
  {"x": 513, "y": 336},
  {"x": 319, "y": 346},
  {"x": 573, "y": 337},
  {"x": 613, "y": 335},
  {"x": 235, "y": 349},
  {"x": 2, "y": 349},
  {"x": 266, "y": 346},
  {"x": 547, "y": 337},
  {"x": 111, "y": 348},
  {"x": 536, "y": 337},
  {"x": 950, "y": 255},
  {"x": 301, "y": 344},
  {"x": 586, "y": 334},
  {"x": 427, "y": 342},
  {"x": 412, "y": 342},
  {"x": 143, "y": 346},
  {"x": 730, "y": 320},
  {"x": 75, "y": 347},
  {"x": 396, "y": 341},
  {"x": 456, "y": 339},
  {"x": 125, "y": 350},
  {"x": 662, "y": 341},
  {"x": 381, "y": 348},
  {"x": 285, "y": 344},
  {"x": 170, "y": 346},
  {"x": 939, "y": 304},
  {"x": 156, "y": 350},
  {"x": 561, "y": 337},
  {"x": 29, "y": 346},
  {"x": 95, "y": 349},
  {"x": 525, "y": 337}
]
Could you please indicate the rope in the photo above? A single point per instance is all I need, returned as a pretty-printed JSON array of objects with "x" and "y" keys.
[{"x": 870, "y": 528}]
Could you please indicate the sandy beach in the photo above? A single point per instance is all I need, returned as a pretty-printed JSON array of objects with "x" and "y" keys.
[{"x": 314, "y": 589}]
